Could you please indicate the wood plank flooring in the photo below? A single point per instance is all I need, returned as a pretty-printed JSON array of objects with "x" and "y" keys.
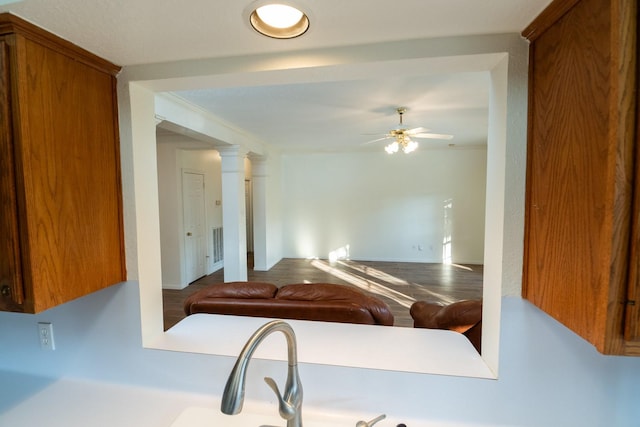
[{"x": 399, "y": 284}]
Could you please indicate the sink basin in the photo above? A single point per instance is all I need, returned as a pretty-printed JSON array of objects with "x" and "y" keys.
[
  {"x": 212, "y": 417},
  {"x": 208, "y": 417}
]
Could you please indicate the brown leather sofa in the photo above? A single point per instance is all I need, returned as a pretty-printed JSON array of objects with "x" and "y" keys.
[
  {"x": 462, "y": 316},
  {"x": 327, "y": 302}
]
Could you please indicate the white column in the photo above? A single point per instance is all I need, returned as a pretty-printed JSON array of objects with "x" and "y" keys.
[
  {"x": 233, "y": 213},
  {"x": 260, "y": 176}
]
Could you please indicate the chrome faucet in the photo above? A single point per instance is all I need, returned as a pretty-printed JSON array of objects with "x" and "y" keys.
[{"x": 290, "y": 402}]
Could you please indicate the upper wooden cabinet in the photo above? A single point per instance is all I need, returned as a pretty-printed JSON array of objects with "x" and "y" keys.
[
  {"x": 60, "y": 193},
  {"x": 582, "y": 225}
]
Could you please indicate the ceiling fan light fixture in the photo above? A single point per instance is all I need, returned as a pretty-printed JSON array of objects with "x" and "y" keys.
[
  {"x": 279, "y": 20},
  {"x": 401, "y": 141},
  {"x": 392, "y": 148},
  {"x": 409, "y": 146}
]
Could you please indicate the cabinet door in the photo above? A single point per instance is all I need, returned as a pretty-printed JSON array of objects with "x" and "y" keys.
[
  {"x": 70, "y": 223},
  {"x": 632, "y": 315},
  {"x": 11, "y": 291},
  {"x": 580, "y": 163}
]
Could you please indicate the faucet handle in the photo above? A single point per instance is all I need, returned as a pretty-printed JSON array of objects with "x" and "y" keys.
[
  {"x": 372, "y": 422},
  {"x": 272, "y": 384},
  {"x": 287, "y": 411}
]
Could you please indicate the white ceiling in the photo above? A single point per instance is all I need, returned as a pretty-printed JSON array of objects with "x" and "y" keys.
[
  {"x": 326, "y": 116},
  {"x": 345, "y": 115}
]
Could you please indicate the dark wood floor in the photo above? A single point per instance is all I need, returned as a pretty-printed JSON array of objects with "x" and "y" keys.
[{"x": 399, "y": 284}]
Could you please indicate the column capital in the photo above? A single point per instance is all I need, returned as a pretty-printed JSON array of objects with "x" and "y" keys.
[
  {"x": 257, "y": 157},
  {"x": 232, "y": 151},
  {"x": 259, "y": 166}
]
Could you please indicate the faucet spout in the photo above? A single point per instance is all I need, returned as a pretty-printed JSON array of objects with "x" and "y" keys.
[{"x": 291, "y": 399}]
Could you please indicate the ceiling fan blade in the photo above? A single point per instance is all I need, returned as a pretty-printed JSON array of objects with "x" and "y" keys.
[
  {"x": 403, "y": 135},
  {"x": 417, "y": 130},
  {"x": 376, "y": 140},
  {"x": 432, "y": 136}
]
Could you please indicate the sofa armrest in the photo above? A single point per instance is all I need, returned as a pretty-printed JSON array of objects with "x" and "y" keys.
[{"x": 464, "y": 317}]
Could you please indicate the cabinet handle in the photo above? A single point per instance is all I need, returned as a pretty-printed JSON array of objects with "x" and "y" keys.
[
  {"x": 189, "y": 234},
  {"x": 5, "y": 291}
]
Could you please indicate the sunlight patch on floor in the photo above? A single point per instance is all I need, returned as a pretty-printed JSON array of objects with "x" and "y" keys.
[
  {"x": 375, "y": 287},
  {"x": 367, "y": 285},
  {"x": 375, "y": 273},
  {"x": 462, "y": 267}
]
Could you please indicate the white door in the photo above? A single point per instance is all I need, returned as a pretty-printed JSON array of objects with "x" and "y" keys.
[{"x": 194, "y": 225}]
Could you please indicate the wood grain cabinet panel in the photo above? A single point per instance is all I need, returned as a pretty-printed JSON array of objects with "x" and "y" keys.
[
  {"x": 581, "y": 227},
  {"x": 60, "y": 171}
]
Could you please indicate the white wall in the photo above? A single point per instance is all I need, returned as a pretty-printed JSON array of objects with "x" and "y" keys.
[
  {"x": 385, "y": 208},
  {"x": 549, "y": 377},
  {"x": 169, "y": 191},
  {"x": 172, "y": 161}
]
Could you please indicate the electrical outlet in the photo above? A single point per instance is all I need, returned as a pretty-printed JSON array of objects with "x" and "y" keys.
[{"x": 45, "y": 333}]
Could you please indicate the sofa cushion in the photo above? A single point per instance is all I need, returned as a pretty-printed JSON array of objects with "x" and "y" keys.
[
  {"x": 235, "y": 290},
  {"x": 378, "y": 309},
  {"x": 318, "y": 292}
]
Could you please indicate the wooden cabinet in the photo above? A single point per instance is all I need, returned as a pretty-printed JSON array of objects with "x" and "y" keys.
[
  {"x": 60, "y": 192},
  {"x": 582, "y": 225}
]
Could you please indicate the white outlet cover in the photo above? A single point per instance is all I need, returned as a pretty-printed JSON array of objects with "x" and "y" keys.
[{"x": 45, "y": 333}]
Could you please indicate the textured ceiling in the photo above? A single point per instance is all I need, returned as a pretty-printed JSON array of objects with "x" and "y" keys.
[
  {"x": 144, "y": 31},
  {"x": 321, "y": 116}
]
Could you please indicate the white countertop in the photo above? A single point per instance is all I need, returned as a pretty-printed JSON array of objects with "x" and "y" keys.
[
  {"x": 29, "y": 401},
  {"x": 432, "y": 351}
]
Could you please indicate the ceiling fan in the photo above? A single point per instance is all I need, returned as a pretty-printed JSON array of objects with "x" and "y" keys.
[{"x": 402, "y": 136}]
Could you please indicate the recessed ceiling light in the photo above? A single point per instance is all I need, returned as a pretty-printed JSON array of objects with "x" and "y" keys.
[{"x": 279, "y": 20}]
